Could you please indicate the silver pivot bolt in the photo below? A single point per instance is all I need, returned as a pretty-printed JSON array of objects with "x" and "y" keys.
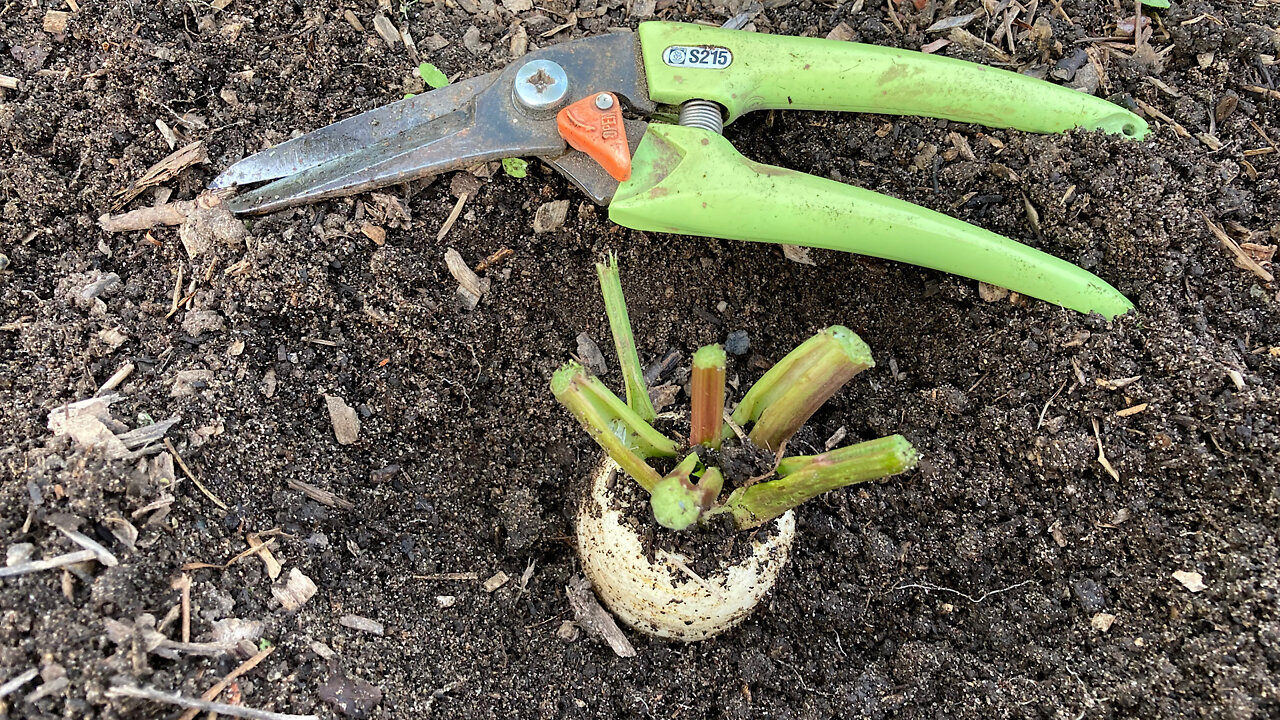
[
  {"x": 541, "y": 85},
  {"x": 702, "y": 114},
  {"x": 604, "y": 101}
]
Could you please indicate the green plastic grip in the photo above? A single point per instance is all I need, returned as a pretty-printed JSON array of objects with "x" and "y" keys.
[
  {"x": 745, "y": 71},
  {"x": 690, "y": 181}
]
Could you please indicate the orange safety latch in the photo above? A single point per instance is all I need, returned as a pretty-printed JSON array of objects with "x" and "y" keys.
[{"x": 594, "y": 126}]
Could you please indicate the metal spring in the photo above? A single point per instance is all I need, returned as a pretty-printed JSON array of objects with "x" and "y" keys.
[{"x": 702, "y": 114}]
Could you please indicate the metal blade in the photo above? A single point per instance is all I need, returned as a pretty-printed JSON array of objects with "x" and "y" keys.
[
  {"x": 347, "y": 136},
  {"x": 486, "y": 126}
]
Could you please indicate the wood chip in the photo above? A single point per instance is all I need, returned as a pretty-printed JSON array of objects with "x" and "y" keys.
[
  {"x": 386, "y": 30},
  {"x": 1132, "y": 410},
  {"x": 8, "y": 82},
  {"x": 346, "y": 424},
  {"x": 55, "y": 22},
  {"x": 550, "y": 216},
  {"x": 363, "y": 624},
  {"x": 352, "y": 20},
  {"x": 1192, "y": 581},
  {"x": 264, "y": 551},
  {"x": 471, "y": 287},
  {"x": 1102, "y": 622},
  {"x": 295, "y": 591},
  {"x": 497, "y": 581},
  {"x": 375, "y": 233},
  {"x": 593, "y": 618},
  {"x": 992, "y": 293},
  {"x": 1242, "y": 258},
  {"x": 841, "y": 32},
  {"x": 1117, "y": 383}
]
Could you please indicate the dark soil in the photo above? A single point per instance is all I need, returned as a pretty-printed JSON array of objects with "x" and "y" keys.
[{"x": 968, "y": 588}]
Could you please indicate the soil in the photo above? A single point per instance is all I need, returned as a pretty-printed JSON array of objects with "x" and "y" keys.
[{"x": 979, "y": 585}]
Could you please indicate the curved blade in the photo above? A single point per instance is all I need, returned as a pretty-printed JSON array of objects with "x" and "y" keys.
[
  {"x": 473, "y": 126},
  {"x": 350, "y": 135}
]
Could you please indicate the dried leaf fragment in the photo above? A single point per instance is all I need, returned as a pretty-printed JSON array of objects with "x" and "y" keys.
[
  {"x": 1192, "y": 581},
  {"x": 797, "y": 254}
]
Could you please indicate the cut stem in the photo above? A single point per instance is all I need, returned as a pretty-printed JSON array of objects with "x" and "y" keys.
[
  {"x": 792, "y": 390},
  {"x": 808, "y": 477},
  {"x": 675, "y": 500},
  {"x": 707, "y": 403},
  {"x": 615, "y": 306},
  {"x": 618, "y": 429}
]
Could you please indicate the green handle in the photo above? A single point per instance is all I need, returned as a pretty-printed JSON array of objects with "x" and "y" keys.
[
  {"x": 745, "y": 71},
  {"x": 690, "y": 181}
]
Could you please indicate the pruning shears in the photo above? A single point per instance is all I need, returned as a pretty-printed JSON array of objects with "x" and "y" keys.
[{"x": 592, "y": 109}]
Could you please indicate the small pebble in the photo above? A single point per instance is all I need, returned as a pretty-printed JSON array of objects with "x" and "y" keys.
[
  {"x": 738, "y": 343},
  {"x": 4, "y": 261}
]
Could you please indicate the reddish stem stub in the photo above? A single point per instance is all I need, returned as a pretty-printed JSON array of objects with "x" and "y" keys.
[{"x": 707, "y": 403}]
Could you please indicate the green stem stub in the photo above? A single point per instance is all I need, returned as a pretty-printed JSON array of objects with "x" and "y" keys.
[
  {"x": 618, "y": 429},
  {"x": 791, "y": 391},
  {"x": 804, "y": 478},
  {"x": 615, "y": 306},
  {"x": 676, "y": 502}
]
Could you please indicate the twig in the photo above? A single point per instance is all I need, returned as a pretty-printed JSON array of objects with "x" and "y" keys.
[
  {"x": 975, "y": 600},
  {"x": 1242, "y": 257},
  {"x": 177, "y": 293},
  {"x": 183, "y": 583},
  {"x": 448, "y": 576},
  {"x": 1151, "y": 110},
  {"x": 70, "y": 558},
  {"x": 253, "y": 550},
  {"x": 165, "y": 170},
  {"x": 192, "y": 476},
  {"x": 103, "y": 555},
  {"x": 437, "y": 694},
  {"x": 217, "y": 707},
  {"x": 1268, "y": 92},
  {"x": 324, "y": 497},
  {"x": 1045, "y": 409},
  {"x": 453, "y": 217},
  {"x": 1102, "y": 456},
  {"x": 174, "y": 213},
  {"x": 17, "y": 682},
  {"x": 217, "y": 688}
]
